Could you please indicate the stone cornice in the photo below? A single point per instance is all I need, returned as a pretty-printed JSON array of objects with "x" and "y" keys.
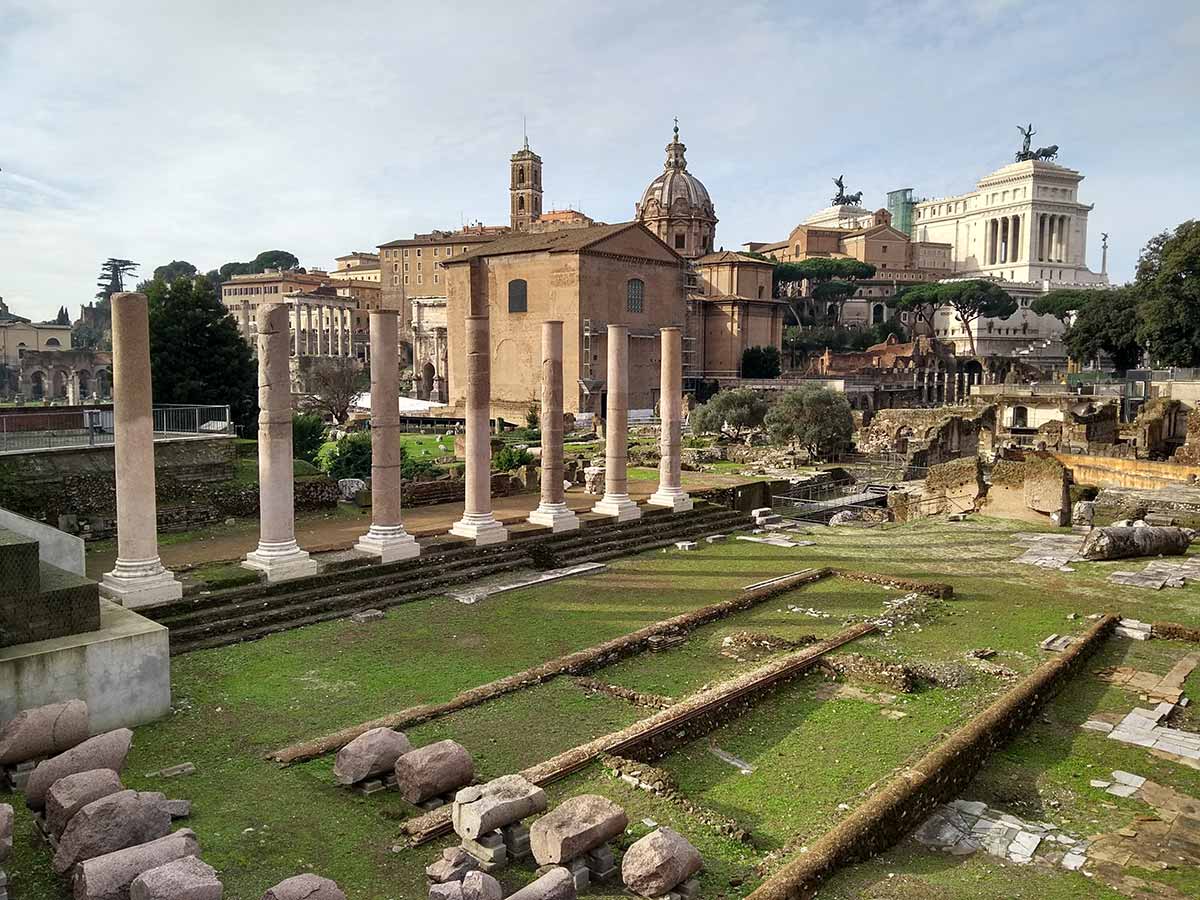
[{"x": 637, "y": 260}]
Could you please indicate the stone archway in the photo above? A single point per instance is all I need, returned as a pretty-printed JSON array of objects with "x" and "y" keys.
[
  {"x": 84, "y": 378},
  {"x": 58, "y": 384},
  {"x": 425, "y": 388},
  {"x": 37, "y": 385},
  {"x": 103, "y": 384}
]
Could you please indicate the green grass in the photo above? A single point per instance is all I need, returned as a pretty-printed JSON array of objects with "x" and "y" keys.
[
  {"x": 258, "y": 823},
  {"x": 434, "y": 445}
]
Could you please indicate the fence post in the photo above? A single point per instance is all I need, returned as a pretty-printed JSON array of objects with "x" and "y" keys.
[{"x": 228, "y": 420}]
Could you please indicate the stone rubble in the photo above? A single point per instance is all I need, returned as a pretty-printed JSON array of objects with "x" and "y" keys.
[
  {"x": 43, "y": 731},
  {"x": 70, "y": 794},
  {"x": 372, "y": 753},
  {"x": 120, "y": 820},
  {"x": 109, "y": 877},
  {"x": 453, "y": 865},
  {"x": 305, "y": 887},
  {"x": 105, "y": 751},
  {"x": 188, "y": 878}
]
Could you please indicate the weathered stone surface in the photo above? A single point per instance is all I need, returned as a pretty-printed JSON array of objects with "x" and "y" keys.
[
  {"x": 70, "y": 794},
  {"x": 500, "y": 802},
  {"x": 576, "y": 826},
  {"x": 189, "y": 878},
  {"x": 108, "y": 877},
  {"x": 371, "y": 753},
  {"x": 43, "y": 731},
  {"x": 1120, "y": 543},
  {"x": 448, "y": 890},
  {"x": 104, "y": 751},
  {"x": 305, "y": 887},
  {"x": 658, "y": 862},
  {"x": 481, "y": 886},
  {"x": 120, "y": 820},
  {"x": 432, "y": 770},
  {"x": 6, "y": 831},
  {"x": 453, "y": 865},
  {"x": 557, "y": 884},
  {"x": 1083, "y": 512}
]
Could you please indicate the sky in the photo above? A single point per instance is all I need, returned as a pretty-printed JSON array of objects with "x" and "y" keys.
[{"x": 212, "y": 131}]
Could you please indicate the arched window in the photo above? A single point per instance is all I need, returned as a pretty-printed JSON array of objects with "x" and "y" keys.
[
  {"x": 877, "y": 314},
  {"x": 635, "y": 295},
  {"x": 1020, "y": 417},
  {"x": 520, "y": 176},
  {"x": 680, "y": 241},
  {"x": 520, "y": 203},
  {"x": 518, "y": 300},
  {"x": 760, "y": 291},
  {"x": 53, "y": 342}
]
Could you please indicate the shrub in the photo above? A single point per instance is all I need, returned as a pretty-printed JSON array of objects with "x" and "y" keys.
[
  {"x": 308, "y": 434},
  {"x": 302, "y": 467},
  {"x": 761, "y": 362},
  {"x": 350, "y": 457},
  {"x": 509, "y": 458}
]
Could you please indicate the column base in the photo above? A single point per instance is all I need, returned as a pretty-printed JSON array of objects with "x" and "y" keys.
[
  {"x": 140, "y": 583},
  {"x": 391, "y": 543},
  {"x": 619, "y": 506},
  {"x": 482, "y": 529},
  {"x": 281, "y": 561},
  {"x": 555, "y": 516},
  {"x": 676, "y": 500}
]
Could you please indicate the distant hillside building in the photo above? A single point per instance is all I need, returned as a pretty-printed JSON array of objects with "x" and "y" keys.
[{"x": 18, "y": 335}]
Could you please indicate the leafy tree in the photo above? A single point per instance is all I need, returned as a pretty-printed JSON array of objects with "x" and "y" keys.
[
  {"x": 761, "y": 362},
  {"x": 975, "y": 299},
  {"x": 308, "y": 435},
  {"x": 832, "y": 293},
  {"x": 921, "y": 301},
  {"x": 1106, "y": 322},
  {"x": 336, "y": 384},
  {"x": 1060, "y": 303},
  {"x": 1167, "y": 284},
  {"x": 63, "y": 317},
  {"x": 811, "y": 417},
  {"x": 177, "y": 268},
  {"x": 113, "y": 273},
  {"x": 196, "y": 353},
  {"x": 268, "y": 259},
  {"x": 734, "y": 414}
]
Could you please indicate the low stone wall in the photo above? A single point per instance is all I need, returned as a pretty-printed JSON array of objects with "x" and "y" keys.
[
  {"x": 1112, "y": 472},
  {"x": 904, "y": 802},
  {"x": 744, "y": 497}
]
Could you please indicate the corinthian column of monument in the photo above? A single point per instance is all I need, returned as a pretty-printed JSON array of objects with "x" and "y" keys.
[
  {"x": 277, "y": 555},
  {"x": 138, "y": 578},
  {"x": 615, "y": 501},
  {"x": 552, "y": 511},
  {"x": 670, "y": 491},
  {"x": 386, "y": 537}
]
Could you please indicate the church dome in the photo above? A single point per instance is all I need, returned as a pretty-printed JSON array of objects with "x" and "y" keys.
[{"x": 676, "y": 205}]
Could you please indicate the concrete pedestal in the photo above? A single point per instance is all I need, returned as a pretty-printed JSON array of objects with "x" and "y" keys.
[
  {"x": 138, "y": 578},
  {"x": 278, "y": 556},
  {"x": 616, "y": 501},
  {"x": 477, "y": 522},
  {"x": 391, "y": 543},
  {"x": 552, "y": 511},
  {"x": 670, "y": 493}
]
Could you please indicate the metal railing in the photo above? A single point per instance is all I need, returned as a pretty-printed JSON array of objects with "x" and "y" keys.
[{"x": 46, "y": 429}]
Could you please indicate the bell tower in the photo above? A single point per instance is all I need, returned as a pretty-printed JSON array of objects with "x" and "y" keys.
[{"x": 525, "y": 188}]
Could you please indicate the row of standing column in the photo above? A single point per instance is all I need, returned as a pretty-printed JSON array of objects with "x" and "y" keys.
[
  {"x": 312, "y": 338},
  {"x": 139, "y": 578}
]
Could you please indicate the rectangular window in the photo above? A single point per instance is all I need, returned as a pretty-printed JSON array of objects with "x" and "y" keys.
[
  {"x": 406, "y": 279},
  {"x": 435, "y": 278},
  {"x": 680, "y": 242},
  {"x": 435, "y": 251},
  {"x": 418, "y": 251},
  {"x": 406, "y": 253},
  {"x": 518, "y": 296},
  {"x": 635, "y": 295},
  {"x": 420, "y": 279}
]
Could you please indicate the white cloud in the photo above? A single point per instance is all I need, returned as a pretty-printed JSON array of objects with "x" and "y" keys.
[{"x": 211, "y": 131}]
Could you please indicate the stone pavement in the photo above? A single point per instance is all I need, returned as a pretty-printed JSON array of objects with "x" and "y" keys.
[{"x": 963, "y": 827}]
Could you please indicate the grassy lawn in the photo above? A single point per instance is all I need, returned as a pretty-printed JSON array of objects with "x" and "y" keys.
[{"x": 258, "y": 824}]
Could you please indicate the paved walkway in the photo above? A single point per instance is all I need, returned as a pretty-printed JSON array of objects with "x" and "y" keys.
[{"x": 318, "y": 532}]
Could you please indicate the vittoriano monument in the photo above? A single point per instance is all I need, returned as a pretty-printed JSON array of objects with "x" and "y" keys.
[
  {"x": 841, "y": 198},
  {"x": 1025, "y": 153}
]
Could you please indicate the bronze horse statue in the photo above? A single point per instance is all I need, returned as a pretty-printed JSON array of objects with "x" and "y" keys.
[{"x": 1047, "y": 153}]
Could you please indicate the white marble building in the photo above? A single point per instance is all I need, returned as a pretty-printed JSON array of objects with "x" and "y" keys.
[{"x": 1023, "y": 222}]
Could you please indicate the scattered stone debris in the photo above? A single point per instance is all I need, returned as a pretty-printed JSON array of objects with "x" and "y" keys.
[
  {"x": 775, "y": 540},
  {"x": 741, "y": 644},
  {"x": 963, "y": 827},
  {"x": 367, "y": 615},
  {"x": 186, "y": 768},
  {"x": 1134, "y": 630},
  {"x": 728, "y": 758},
  {"x": 482, "y": 590},
  {"x": 838, "y": 691},
  {"x": 1137, "y": 579},
  {"x": 1169, "y": 839},
  {"x": 637, "y": 698},
  {"x": 808, "y": 611},
  {"x": 1144, "y": 728},
  {"x": 713, "y": 538},
  {"x": 686, "y": 545},
  {"x": 1153, "y": 687},
  {"x": 1056, "y": 643},
  {"x": 981, "y": 653},
  {"x": 943, "y": 674},
  {"x": 897, "y": 676},
  {"x": 1048, "y": 550}
]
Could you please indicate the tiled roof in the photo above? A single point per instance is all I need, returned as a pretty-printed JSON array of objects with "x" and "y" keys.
[
  {"x": 567, "y": 241},
  {"x": 732, "y": 256}
]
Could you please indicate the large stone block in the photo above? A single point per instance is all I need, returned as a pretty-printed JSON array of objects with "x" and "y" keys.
[
  {"x": 189, "y": 878},
  {"x": 373, "y": 752},
  {"x": 574, "y": 827},
  {"x": 123, "y": 819},
  {"x": 433, "y": 770},
  {"x": 481, "y": 886},
  {"x": 70, "y": 794},
  {"x": 43, "y": 731},
  {"x": 109, "y": 877},
  {"x": 658, "y": 862},
  {"x": 500, "y": 802},
  {"x": 557, "y": 884},
  {"x": 104, "y": 751},
  {"x": 305, "y": 887},
  {"x": 452, "y": 865}
]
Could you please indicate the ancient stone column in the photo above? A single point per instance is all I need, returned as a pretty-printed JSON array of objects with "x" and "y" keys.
[
  {"x": 670, "y": 491},
  {"x": 296, "y": 325},
  {"x": 386, "y": 537},
  {"x": 245, "y": 321},
  {"x": 341, "y": 332},
  {"x": 478, "y": 522},
  {"x": 138, "y": 578},
  {"x": 615, "y": 501},
  {"x": 277, "y": 555},
  {"x": 552, "y": 511}
]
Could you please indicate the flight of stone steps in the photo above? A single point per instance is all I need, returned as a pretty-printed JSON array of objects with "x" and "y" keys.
[{"x": 243, "y": 614}]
